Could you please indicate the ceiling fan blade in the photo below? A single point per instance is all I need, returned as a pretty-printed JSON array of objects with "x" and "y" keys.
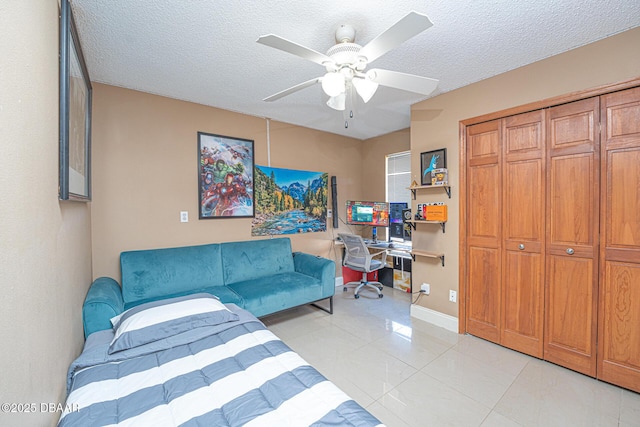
[
  {"x": 292, "y": 90},
  {"x": 408, "y": 82},
  {"x": 294, "y": 48},
  {"x": 409, "y": 26}
]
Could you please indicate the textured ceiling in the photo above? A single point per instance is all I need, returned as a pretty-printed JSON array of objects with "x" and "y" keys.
[{"x": 205, "y": 51}]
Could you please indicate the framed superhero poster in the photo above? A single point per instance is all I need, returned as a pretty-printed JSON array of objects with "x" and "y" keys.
[
  {"x": 429, "y": 161},
  {"x": 225, "y": 177}
]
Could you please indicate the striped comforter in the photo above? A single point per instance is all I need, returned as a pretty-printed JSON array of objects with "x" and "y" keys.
[{"x": 236, "y": 374}]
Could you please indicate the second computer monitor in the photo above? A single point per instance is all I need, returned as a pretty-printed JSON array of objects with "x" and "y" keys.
[{"x": 396, "y": 224}]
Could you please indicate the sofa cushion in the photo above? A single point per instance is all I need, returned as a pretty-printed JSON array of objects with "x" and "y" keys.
[
  {"x": 274, "y": 293},
  {"x": 255, "y": 259},
  {"x": 157, "y": 273},
  {"x": 223, "y": 293}
]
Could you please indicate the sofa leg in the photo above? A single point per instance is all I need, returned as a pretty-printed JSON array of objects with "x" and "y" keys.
[{"x": 329, "y": 310}]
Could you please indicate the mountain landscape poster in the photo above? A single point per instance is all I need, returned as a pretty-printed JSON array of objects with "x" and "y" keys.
[{"x": 289, "y": 201}]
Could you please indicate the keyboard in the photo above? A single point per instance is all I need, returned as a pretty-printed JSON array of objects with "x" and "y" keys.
[
  {"x": 381, "y": 245},
  {"x": 401, "y": 247}
]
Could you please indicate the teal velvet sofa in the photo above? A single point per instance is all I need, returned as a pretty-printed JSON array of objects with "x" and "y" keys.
[{"x": 261, "y": 276}]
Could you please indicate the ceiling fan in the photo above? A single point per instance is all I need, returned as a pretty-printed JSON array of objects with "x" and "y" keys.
[{"x": 345, "y": 63}]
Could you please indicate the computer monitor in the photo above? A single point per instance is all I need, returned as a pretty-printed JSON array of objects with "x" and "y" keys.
[
  {"x": 375, "y": 214},
  {"x": 396, "y": 224}
]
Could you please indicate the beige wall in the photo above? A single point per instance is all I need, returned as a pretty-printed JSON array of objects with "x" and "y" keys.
[
  {"x": 45, "y": 244},
  {"x": 145, "y": 172},
  {"x": 374, "y": 161},
  {"x": 434, "y": 124}
]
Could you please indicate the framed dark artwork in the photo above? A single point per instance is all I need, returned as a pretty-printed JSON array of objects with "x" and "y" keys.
[
  {"x": 225, "y": 177},
  {"x": 430, "y": 160},
  {"x": 75, "y": 113},
  {"x": 290, "y": 201}
]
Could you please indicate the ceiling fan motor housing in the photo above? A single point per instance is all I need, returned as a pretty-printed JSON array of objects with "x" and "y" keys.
[{"x": 346, "y": 54}]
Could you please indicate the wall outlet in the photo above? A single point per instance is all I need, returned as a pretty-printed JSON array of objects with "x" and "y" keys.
[
  {"x": 425, "y": 288},
  {"x": 453, "y": 296},
  {"x": 184, "y": 216}
]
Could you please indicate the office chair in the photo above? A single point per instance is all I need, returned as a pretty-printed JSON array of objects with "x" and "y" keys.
[{"x": 358, "y": 258}]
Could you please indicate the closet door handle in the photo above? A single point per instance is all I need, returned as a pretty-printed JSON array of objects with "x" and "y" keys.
[
  {"x": 570, "y": 251},
  {"x": 521, "y": 246}
]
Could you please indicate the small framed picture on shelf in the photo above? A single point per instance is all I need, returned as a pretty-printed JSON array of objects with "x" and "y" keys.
[
  {"x": 430, "y": 160},
  {"x": 439, "y": 177}
]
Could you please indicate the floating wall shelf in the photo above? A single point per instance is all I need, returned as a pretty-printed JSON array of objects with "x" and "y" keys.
[
  {"x": 426, "y": 254},
  {"x": 413, "y": 223},
  {"x": 446, "y": 188}
]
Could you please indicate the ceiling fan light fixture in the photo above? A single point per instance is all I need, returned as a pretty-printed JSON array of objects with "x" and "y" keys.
[
  {"x": 333, "y": 84},
  {"x": 338, "y": 102},
  {"x": 365, "y": 88}
]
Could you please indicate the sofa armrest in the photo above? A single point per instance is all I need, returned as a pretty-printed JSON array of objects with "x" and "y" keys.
[
  {"x": 103, "y": 301},
  {"x": 322, "y": 269}
]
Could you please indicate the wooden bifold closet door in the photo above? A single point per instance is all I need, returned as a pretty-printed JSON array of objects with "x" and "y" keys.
[
  {"x": 484, "y": 230},
  {"x": 532, "y": 233},
  {"x": 523, "y": 232},
  {"x": 619, "y": 303},
  {"x": 552, "y": 234},
  {"x": 572, "y": 224},
  {"x": 505, "y": 240}
]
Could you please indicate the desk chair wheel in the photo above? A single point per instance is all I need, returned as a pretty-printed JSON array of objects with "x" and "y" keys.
[
  {"x": 380, "y": 295},
  {"x": 344, "y": 289},
  {"x": 356, "y": 296}
]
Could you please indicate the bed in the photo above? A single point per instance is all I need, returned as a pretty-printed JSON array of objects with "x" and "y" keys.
[{"x": 193, "y": 361}]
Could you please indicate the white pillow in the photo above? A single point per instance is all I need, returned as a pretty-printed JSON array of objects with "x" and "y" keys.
[{"x": 157, "y": 320}]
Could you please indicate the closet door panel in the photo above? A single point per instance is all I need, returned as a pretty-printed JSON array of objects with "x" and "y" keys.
[
  {"x": 620, "y": 342},
  {"x": 483, "y": 207},
  {"x": 522, "y": 288},
  {"x": 523, "y": 232},
  {"x": 483, "y": 306},
  {"x": 623, "y": 207},
  {"x": 572, "y": 236},
  {"x": 570, "y": 313},
  {"x": 524, "y": 201},
  {"x": 619, "y": 310},
  {"x": 573, "y": 194},
  {"x": 524, "y": 135}
]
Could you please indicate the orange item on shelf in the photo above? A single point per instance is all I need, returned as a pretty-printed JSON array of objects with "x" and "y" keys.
[{"x": 435, "y": 212}]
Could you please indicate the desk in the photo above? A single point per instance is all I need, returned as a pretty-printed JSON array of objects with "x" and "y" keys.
[
  {"x": 400, "y": 275},
  {"x": 403, "y": 251},
  {"x": 398, "y": 251}
]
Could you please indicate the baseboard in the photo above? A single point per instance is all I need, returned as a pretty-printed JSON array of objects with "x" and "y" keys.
[{"x": 446, "y": 321}]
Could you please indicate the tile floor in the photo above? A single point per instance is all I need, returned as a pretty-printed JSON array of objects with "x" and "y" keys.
[{"x": 409, "y": 373}]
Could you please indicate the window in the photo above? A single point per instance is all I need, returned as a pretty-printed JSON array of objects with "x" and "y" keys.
[
  {"x": 399, "y": 177},
  {"x": 398, "y": 180}
]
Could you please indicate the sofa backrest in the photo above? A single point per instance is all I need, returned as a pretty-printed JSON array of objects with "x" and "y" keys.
[
  {"x": 256, "y": 258},
  {"x": 159, "y": 273}
]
